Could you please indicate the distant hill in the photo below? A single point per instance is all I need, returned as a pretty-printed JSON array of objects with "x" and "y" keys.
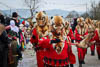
[
  {"x": 22, "y": 12},
  {"x": 26, "y": 13},
  {"x": 57, "y": 12}
]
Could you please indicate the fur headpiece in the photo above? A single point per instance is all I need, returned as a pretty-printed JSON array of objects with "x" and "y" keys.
[
  {"x": 41, "y": 18},
  {"x": 80, "y": 19},
  {"x": 57, "y": 21},
  {"x": 88, "y": 21}
]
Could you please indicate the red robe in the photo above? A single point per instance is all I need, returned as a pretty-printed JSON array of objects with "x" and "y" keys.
[
  {"x": 81, "y": 51},
  {"x": 97, "y": 38},
  {"x": 71, "y": 56},
  {"x": 39, "y": 53},
  {"x": 92, "y": 47},
  {"x": 52, "y": 58},
  {"x": 70, "y": 34},
  {"x": 34, "y": 32}
]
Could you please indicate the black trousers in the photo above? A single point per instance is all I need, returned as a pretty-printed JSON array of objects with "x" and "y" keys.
[{"x": 4, "y": 58}]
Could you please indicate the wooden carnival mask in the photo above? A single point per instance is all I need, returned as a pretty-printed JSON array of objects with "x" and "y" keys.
[
  {"x": 41, "y": 18},
  {"x": 80, "y": 21},
  {"x": 81, "y": 26},
  {"x": 57, "y": 24},
  {"x": 88, "y": 21},
  {"x": 67, "y": 27}
]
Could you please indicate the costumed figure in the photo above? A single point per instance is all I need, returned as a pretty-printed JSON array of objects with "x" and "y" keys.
[
  {"x": 27, "y": 37},
  {"x": 22, "y": 41},
  {"x": 40, "y": 30},
  {"x": 89, "y": 23},
  {"x": 69, "y": 33},
  {"x": 97, "y": 37},
  {"x": 89, "y": 40},
  {"x": 57, "y": 45},
  {"x": 80, "y": 34},
  {"x": 4, "y": 43}
]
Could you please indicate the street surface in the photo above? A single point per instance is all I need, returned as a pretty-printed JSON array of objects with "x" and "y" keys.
[{"x": 29, "y": 59}]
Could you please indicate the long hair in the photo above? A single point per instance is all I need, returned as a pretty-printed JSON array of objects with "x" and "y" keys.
[{"x": 2, "y": 28}]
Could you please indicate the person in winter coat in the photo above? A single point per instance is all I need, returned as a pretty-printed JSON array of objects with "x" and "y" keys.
[{"x": 4, "y": 42}]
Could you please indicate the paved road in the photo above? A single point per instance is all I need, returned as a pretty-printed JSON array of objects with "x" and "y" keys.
[
  {"x": 90, "y": 61},
  {"x": 29, "y": 59}
]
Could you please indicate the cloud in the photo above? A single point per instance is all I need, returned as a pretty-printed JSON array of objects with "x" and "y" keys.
[{"x": 78, "y": 5}]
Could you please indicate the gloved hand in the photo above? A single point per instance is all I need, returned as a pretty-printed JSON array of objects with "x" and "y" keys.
[
  {"x": 33, "y": 37},
  {"x": 55, "y": 41},
  {"x": 36, "y": 48},
  {"x": 34, "y": 44}
]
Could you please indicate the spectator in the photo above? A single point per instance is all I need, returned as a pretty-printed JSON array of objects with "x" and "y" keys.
[
  {"x": 15, "y": 18},
  {"x": 2, "y": 20},
  {"x": 74, "y": 24},
  {"x": 7, "y": 21},
  {"x": 4, "y": 41}
]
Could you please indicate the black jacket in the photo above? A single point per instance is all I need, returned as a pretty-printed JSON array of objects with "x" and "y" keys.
[
  {"x": 4, "y": 41},
  {"x": 2, "y": 20}
]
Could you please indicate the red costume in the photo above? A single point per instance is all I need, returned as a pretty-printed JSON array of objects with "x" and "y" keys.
[
  {"x": 92, "y": 47},
  {"x": 40, "y": 30},
  {"x": 70, "y": 34},
  {"x": 72, "y": 58},
  {"x": 89, "y": 23},
  {"x": 40, "y": 51},
  {"x": 81, "y": 51},
  {"x": 52, "y": 58},
  {"x": 97, "y": 38}
]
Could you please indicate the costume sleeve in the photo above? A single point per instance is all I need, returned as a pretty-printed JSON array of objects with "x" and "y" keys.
[
  {"x": 77, "y": 35},
  {"x": 95, "y": 36},
  {"x": 72, "y": 35},
  {"x": 35, "y": 34}
]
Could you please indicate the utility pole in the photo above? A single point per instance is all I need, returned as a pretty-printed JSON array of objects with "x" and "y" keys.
[{"x": 86, "y": 10}]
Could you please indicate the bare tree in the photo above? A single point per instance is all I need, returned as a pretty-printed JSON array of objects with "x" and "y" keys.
[
  {"x": 73, "y": 14},
  {"x": 85, "y": 15},
  {"x": 95, "y": 11},
  {"x": 32, "y": 5}
]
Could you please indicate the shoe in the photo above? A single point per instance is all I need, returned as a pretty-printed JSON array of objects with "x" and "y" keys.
[
  {"x": 98, "y": 57},
  {"x": 80, "y": 65},
  {"x": 92, "y": 53},
  {"x": 83, "y": 62},
  {"x": 67, "y": 66},
  {"x": 71, "y": 65},
  {"x": 86, "y": 52}
]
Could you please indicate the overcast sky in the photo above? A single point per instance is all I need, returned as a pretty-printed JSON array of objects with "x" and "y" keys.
[{"x": 78, "y": 5}]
